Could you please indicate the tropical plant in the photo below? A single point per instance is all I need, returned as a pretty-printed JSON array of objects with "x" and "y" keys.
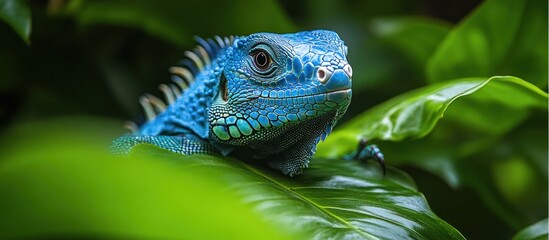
[{"x": 456, "y": 97}]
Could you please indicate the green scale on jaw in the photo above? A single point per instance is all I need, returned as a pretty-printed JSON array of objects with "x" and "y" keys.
[{"x": 233, "y": 127}]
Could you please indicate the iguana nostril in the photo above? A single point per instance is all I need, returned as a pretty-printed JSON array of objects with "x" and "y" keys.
[
  {"x": 349, "y": 70},
  {"x": 323, "y": 75}
]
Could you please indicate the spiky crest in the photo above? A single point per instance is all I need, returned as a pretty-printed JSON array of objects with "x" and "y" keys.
[{"x": 182, "y": 76}]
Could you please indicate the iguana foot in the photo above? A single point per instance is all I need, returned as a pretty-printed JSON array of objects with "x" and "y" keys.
[{"x": 366, "y": 152}]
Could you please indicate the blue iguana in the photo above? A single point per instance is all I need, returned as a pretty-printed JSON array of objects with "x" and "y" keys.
[{"x": 264, "y": 97}]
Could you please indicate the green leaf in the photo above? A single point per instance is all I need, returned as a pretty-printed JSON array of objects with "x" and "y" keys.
[
  {"x": 57, "y": 183},
  {"x": 178, "y": 21},
  {"x": 17, "y": 14},
  {"x": 332, "y": 199},
  {"x": 537, "y": 231},
  {"x": 414, "y": 114},
  {"x": 155, "y": 193},
  {"x": 415, "y": 37},
  {"x": 477, "y": 114},
  {"x": 502, "y": 37}
]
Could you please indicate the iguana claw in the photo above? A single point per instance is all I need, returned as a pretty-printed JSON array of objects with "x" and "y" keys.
[{"x": 366, "y": 152}]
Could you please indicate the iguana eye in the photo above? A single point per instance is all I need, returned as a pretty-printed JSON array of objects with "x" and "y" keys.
[{"x": 262, "y": 60}]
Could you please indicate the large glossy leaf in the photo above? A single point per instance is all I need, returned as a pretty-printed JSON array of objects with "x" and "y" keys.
[
  {"x": 414, "y": 114},
  {"x": 505, "y": 179},
  {"x": 332, "y": 199},
  {"x": 502, "y": 37},
  {"x": 17, "y": 14},
  {"x": 477, "y": 113},
  {"x": 536, "y": 231},
  {"x": 85, "y": 193}
]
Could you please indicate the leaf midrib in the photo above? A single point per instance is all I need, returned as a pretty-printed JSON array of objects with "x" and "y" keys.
[{"x": 307, "y": 200}]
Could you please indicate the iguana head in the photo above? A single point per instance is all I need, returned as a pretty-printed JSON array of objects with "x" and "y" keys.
[{"x": 277, "y": 90}]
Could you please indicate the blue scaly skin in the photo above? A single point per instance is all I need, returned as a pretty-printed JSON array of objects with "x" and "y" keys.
[{"x": 264, "y": 97}]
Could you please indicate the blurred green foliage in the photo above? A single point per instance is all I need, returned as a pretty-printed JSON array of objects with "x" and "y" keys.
[
  {"x": 490, "y": 43},
  {"x": 79, "y": 191},
  {"x": 475, "y": 144},
  {"x": 17, "y": 15}
]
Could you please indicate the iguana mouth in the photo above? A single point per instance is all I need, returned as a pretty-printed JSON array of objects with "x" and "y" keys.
[{"x": 277, "y": 96}]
